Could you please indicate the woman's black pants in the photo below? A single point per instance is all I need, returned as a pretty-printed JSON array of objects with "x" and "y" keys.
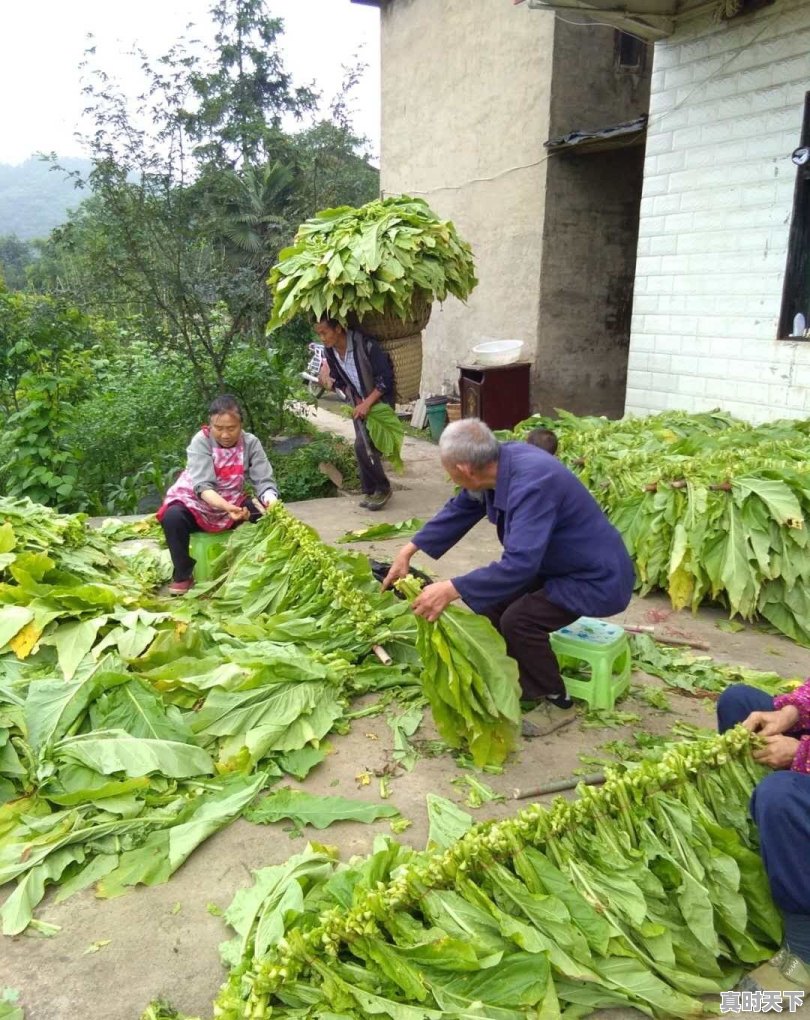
[{"x": 178, "y": 525}]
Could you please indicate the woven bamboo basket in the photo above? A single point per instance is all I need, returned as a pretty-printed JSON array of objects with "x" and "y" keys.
[
  {"x": 384, "y": 326},
  {"x": 453, "y": 410},
  {"x": 406, "y": 358}
]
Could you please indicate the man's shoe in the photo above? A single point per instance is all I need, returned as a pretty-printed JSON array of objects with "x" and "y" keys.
[
  {"x": 784, "y": 971},
  {"x": 378, "y": 500},
  {"x": 181, "y": 587}
]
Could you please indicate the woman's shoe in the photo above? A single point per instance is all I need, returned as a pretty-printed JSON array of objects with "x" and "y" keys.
[{"x": 181, "y": 587}]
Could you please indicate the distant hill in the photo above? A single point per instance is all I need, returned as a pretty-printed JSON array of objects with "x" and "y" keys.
[{"x": 34, "y": 198}]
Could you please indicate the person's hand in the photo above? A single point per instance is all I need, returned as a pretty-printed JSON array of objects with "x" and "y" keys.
[
  {"x": 770, "y": 724},
  {"x": 237, "y": 513},
  {"x": 361, "y": 410},
  {"x": 433, "y": 599},
  {"x": 400, "y": 567},
  {"x": 778, "y": 752},
  {"x": 269, "y": 499}
]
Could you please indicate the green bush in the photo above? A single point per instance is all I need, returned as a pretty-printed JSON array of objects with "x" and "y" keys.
[
  {"x": 47, "y": 351},
  {"x": 298, "y": 475},
  {"x": 132, "y": 430}
]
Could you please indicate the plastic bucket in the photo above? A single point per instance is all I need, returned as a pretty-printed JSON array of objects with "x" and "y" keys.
[{"x": 437, "y": 419}]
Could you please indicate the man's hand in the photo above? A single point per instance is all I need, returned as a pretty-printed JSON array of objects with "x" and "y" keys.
[
  {"x": 434, "y": 599},
  {"x": 770, "y": 724},
  {"x": 778, "y": 752},
  {"x": 361, "y": 410},
  {"x": 401, "y": 566}
]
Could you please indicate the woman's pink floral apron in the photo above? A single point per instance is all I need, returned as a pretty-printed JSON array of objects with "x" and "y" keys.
[{"x": 229, "y": 468}]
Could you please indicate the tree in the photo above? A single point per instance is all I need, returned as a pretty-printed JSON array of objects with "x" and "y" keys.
[
  {"x": 15, "y": 258},
  {"x": 245, "y": 91},
  {"x": 195, "y": 189},
  {"x": 45, "y": 366}
]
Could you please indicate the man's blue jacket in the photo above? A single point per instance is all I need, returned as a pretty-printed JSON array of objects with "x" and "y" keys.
[{"x": 553, "y": 532}]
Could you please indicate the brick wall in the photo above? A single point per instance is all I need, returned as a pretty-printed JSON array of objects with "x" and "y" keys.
[{"x": 725, "y": 114}]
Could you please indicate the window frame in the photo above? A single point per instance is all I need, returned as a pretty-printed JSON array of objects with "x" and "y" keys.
[{"x": 796, "y": 285}]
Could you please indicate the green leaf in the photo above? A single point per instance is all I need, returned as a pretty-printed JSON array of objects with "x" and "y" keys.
[
  {"x": 400, "y": 530},
  {"x": 301, "y": 762},
  {"x": 9, "y": 1010},
  {"x": 776, "y": 495},
  {"x": 260, "y": 914},
  {"x": 18, "y": 909},
  {"x": 110, "y": 751},
  {"x": 136, "y": 709},
  {"x": 518, "y": 982},
  {"x": 73, "y": 641},
  {"x": 386, "y": 432},
  {"x": 318, "y": 811},
  {"x": 163, "y": 851},
  {"x": 403, "y": 726},
  {"x": 54, "y": 707},
  {"x": 446, "y": 821}
]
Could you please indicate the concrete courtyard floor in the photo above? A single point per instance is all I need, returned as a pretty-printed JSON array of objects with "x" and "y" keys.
[{"x": 163, "y": 941}]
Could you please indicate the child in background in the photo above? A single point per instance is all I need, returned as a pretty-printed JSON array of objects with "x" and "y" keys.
[{"x": 545, "y": 439}]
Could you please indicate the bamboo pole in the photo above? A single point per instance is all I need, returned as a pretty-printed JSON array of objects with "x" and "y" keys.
[{"x": 594, "y": 779}]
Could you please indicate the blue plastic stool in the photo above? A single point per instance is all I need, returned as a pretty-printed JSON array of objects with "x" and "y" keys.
[
  {"x": 206, "y": 547},
  {"x": 606, "y": 650}
]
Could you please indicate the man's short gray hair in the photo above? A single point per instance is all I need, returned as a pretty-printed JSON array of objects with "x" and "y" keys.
[{"x": 468, "y": 441}]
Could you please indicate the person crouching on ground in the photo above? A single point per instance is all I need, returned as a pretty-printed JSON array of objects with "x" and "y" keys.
[
  {"x": 562, "y": 558},
  {"x": 210, "y": 493},
  {"x": 358, "y": 367},
  {"x": 780, "y": 807},
  {"x": 543, "y": 439}
]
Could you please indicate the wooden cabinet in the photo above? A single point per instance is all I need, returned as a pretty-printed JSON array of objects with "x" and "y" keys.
[{"x": 498, "y": 395}]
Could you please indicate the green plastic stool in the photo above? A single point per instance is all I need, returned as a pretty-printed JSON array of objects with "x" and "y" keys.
[
  {"x": 206, "y": 547},
  {"x": 605, "y": 648}
]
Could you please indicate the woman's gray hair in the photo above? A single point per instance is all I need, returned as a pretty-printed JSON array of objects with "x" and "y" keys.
[{"x": 468, "y": 441}]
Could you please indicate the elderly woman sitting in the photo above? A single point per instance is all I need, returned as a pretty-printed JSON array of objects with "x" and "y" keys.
[{"x": 210, "y": 493}]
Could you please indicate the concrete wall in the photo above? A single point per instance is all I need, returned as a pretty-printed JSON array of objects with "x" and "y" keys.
[
  {"x": 726, "y": 113},
  {"x": 590, "y": 230},
  {"x": 465, "y": 95}
]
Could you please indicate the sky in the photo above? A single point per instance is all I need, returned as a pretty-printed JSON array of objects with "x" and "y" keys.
[{"x": 42, "y": 43}]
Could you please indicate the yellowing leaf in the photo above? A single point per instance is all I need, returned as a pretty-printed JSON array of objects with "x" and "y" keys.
[
  {"x": 681, "y": 586},
  {"x": 95, "y": 946},
  {"x": 25, "y": 640},
  {"x": 363, "y": 778},
  {"x": 7, "y": 537}
]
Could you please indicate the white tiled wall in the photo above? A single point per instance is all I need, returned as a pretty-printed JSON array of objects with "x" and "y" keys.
[{"x": 726, "y": 114}]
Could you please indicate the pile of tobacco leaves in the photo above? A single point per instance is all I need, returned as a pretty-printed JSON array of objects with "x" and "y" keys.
[{"x": 710, "y": 508}]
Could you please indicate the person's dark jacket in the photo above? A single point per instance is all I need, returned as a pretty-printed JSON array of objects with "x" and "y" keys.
[
  {"x": 554, "y": 535},
  {"x": 373, "y": 368}
]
